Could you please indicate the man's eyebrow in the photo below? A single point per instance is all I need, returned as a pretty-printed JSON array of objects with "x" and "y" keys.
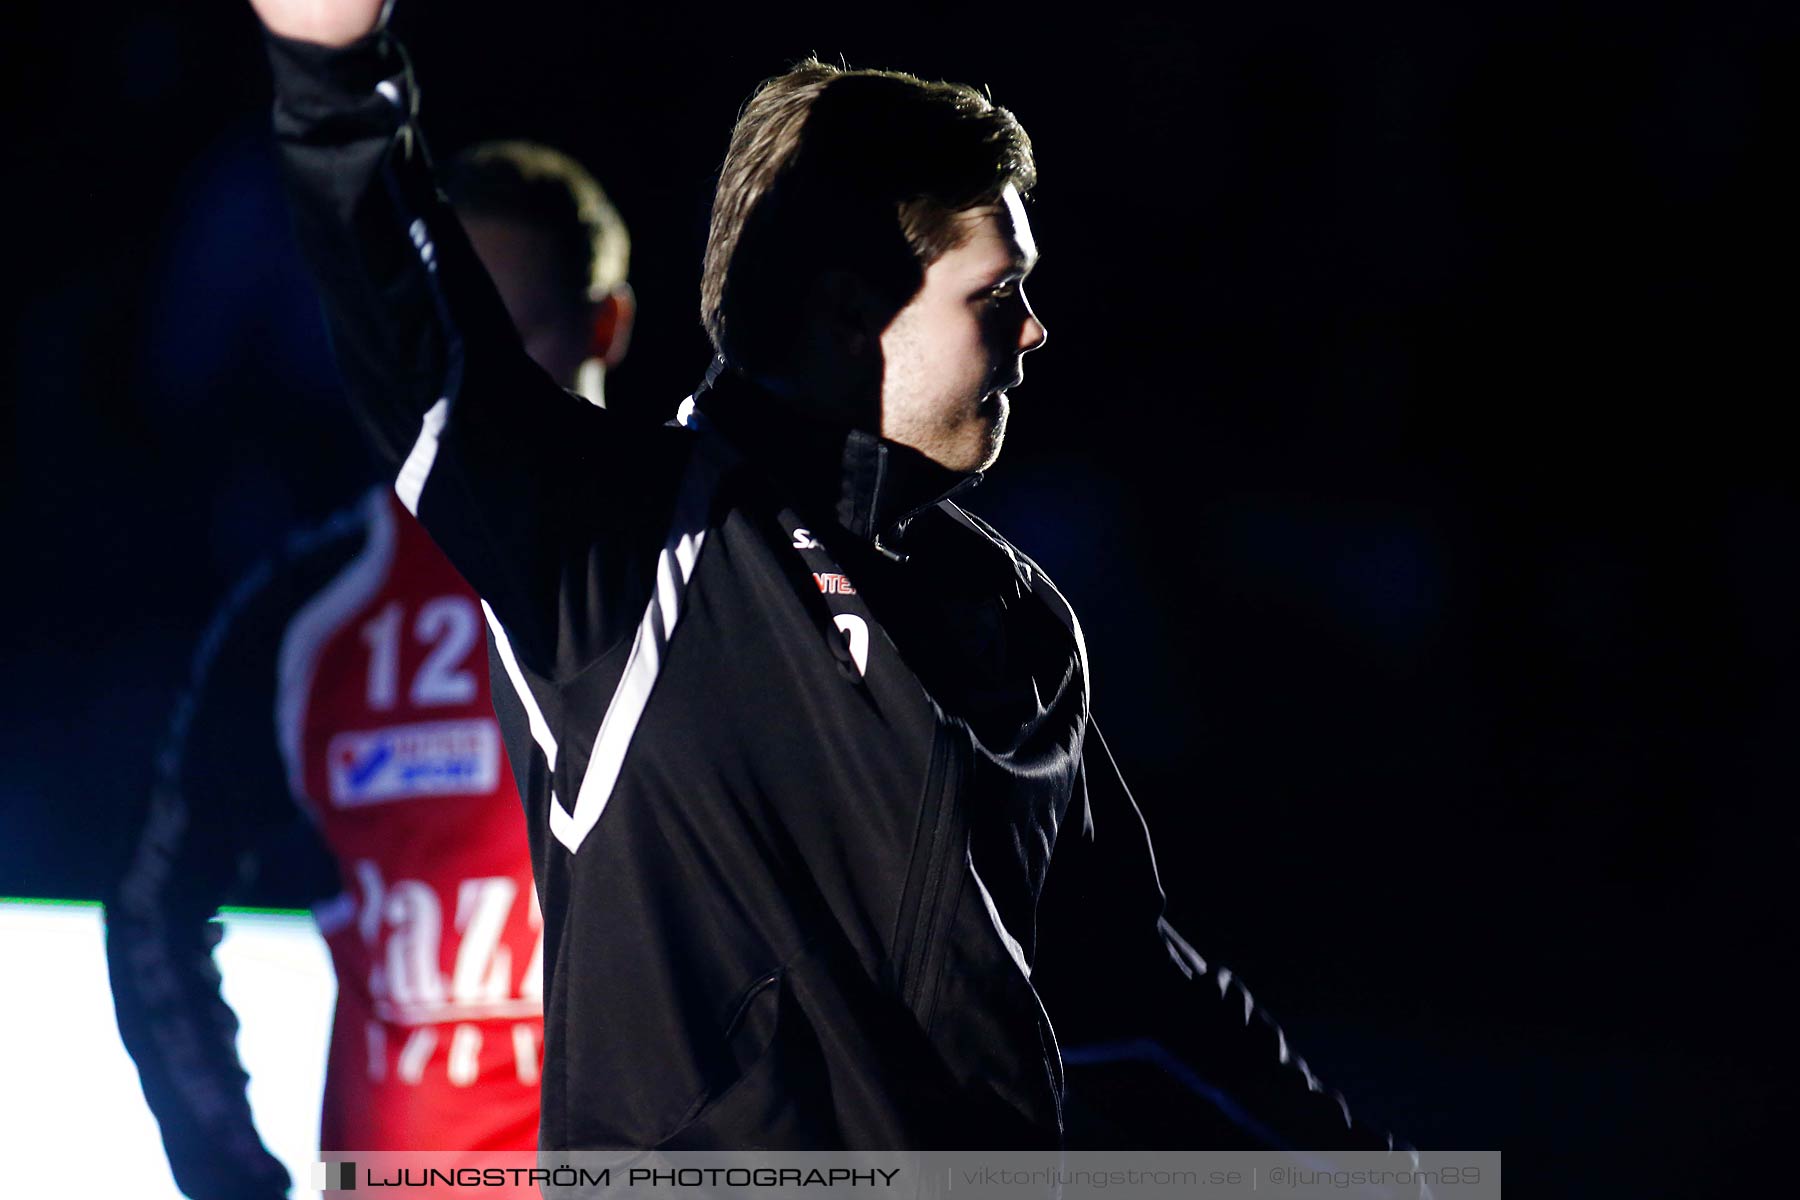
[
  {"x": 1011, "y": 272},
  {"x": 1021, "y": 265}
]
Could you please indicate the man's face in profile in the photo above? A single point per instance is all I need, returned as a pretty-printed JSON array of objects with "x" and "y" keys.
[{"x": 950, "y": 355}]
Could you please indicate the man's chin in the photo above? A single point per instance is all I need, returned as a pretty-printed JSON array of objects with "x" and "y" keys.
[{"x": 994, "y": 410}]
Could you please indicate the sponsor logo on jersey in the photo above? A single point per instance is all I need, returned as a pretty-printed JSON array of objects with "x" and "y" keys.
[
  {"x": 401, "y": 762},
  {"x": 833, "y": 584}
]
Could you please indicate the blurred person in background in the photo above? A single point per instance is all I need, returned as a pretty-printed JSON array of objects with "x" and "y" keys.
[{"x": 339, "y": 712}]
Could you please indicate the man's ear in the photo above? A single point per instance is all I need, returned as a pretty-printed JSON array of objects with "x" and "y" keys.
[
  {"x": 610, "y": 334},
  {"x": 852, "y": 314}
]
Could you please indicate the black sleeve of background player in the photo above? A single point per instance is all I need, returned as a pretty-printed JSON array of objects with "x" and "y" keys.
[
  {"x": 218, "y": 787},
  {"x": 1122, "y": 985},
  {"x": 548, "y": 505}
]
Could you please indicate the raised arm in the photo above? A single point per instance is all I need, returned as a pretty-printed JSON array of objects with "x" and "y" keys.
[
  {"x": 218, "y": 788},
  {"x": 540, "y": 499}
]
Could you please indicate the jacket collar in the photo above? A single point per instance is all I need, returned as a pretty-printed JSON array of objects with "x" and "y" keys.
[{"x": 868, "y": 485}]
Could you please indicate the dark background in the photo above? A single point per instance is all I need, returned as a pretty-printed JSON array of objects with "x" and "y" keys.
[{"x": 1410, "y": 437}]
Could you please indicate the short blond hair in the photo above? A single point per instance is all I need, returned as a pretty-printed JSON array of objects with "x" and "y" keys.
[{"x": 548, "y": 190}]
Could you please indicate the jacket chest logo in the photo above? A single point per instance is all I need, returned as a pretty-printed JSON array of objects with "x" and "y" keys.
[{"x": 853, "y": 626}]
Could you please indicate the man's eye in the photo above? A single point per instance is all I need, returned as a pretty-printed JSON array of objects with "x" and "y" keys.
[{"x": 1005, "y": 291}]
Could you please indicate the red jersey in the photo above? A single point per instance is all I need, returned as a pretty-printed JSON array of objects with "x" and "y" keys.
[{"x": 391, "y": 745}]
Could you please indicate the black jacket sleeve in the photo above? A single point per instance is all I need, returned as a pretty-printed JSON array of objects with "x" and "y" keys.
[
  {"x": 218, "y": 788},
  {"x": 1119, "y": 980},
  {"x": 548, "y": 505}
]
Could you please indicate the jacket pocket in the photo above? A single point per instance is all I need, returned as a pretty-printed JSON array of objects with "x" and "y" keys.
[
  {"x": 782, "y": 1064},
  {"x": 751, "y": 1029}
]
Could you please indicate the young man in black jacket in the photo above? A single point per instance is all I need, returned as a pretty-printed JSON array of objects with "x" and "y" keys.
[{"x": 830, "y": 853}]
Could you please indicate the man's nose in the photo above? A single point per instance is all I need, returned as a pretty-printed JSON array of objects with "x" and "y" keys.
[{"x": 1032, "y": 334}]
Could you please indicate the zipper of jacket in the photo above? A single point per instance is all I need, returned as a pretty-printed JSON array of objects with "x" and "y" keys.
[{"x": 922, "y": 939}]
